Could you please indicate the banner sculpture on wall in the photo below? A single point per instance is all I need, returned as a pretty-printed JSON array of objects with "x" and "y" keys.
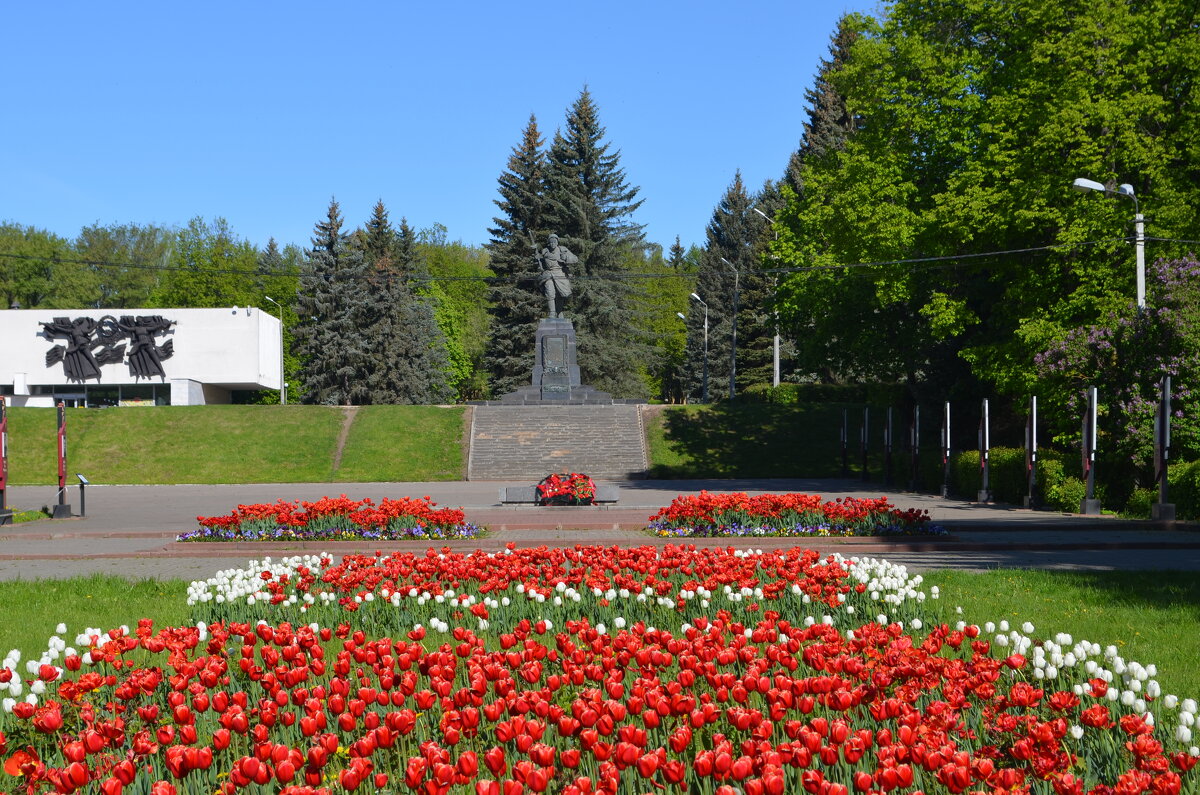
[{"x": 92, "y": 344}]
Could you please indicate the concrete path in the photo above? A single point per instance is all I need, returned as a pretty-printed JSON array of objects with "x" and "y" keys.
[{"x": 130, "y": 530}]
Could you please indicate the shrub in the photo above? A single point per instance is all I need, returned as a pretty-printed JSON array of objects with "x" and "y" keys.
[
  {"x": 1183, "y": 481},
  {"x": 1138, "y": 504},
  {"x": 793, "y": 394}
]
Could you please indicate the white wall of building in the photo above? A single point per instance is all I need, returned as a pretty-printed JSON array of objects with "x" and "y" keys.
[{"x": 216, "y": 350}]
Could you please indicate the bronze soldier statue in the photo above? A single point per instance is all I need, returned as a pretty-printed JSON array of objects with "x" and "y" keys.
[{"x": 553, "y": 278}]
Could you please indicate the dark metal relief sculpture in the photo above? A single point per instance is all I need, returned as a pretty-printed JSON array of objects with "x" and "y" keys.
[
  {"x": 90, "y": 344},
  {"x": 145, "y": 355}
]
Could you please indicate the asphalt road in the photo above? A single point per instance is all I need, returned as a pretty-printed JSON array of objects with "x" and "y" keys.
[{"x": 130, "y": 530}]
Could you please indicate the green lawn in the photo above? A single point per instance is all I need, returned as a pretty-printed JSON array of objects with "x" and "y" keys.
[
  {"x": 1150, "y": 616},
  {"x": 404, "y": 443},
  {"x": 238, "y": 444},
  {"x": 34, "y": 608}
]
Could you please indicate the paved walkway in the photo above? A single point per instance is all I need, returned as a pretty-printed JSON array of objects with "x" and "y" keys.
[{"x": 130, "y": 530}]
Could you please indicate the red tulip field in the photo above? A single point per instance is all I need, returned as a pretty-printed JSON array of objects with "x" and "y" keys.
[{"x": 584, "y": 670}]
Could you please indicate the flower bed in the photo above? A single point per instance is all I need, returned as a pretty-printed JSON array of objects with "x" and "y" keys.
[
  {"x": 681, "y": 670},
  {"x": 566, "y": 488},
  {"x": 336, "y": 519},
  {"x": 786, "y": 515}
]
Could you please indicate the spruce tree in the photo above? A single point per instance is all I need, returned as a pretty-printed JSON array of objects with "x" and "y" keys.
[
  {"x": 335, "y": 356},
  {"x": 410, "y": 352},
  {"x": 732, "y": 244},
  {"x": 830, "y": 122},
  {"x": 589, "y": 208},
  {"x": 515, "y": 302}
]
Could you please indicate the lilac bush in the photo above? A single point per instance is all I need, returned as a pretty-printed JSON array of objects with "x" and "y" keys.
[{"x": 1125, "y": 356}]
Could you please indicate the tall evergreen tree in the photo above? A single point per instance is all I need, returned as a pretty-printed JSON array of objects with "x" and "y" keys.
[
  {"x": 409, "y": 363},
  {"x": 590, "y": 207},
  {"x": 830, "y": 123},
  {"x": 514, "y": 299},
  {"x": 336, "y": 358},
  {"x": 730, "y": 268}
]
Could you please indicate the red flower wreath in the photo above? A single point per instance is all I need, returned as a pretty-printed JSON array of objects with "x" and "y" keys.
[{"x": 566, "y": 489}]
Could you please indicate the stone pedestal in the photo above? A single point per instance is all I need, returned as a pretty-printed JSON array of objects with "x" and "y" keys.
[
  {"x": 556, "y": 370},
  {"x": 556, "y": 362},
  {"x": 1162, "y": 511},
  {"x": 1089, "y": 507}
]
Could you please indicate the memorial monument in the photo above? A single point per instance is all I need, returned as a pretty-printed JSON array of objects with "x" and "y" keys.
[{"x": 556, "y": 361}]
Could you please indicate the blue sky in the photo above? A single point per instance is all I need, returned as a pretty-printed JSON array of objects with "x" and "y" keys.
[{"x": 156, "y": 112}]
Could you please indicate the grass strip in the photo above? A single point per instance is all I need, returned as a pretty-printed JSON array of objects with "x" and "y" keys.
[
  {"x": 34, "y": 608},
  {"x": 1149, "y": 616}
]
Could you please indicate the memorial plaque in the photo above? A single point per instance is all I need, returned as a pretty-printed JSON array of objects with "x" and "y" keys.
[
  {"x": 555, "y": 380},
  {"x": 555, "y": 351}
]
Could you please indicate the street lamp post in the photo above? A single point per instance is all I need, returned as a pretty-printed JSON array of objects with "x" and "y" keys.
[
  {"x": 775, "y": 349},
  {"x": 1139, "y": 226},
  {"x": 282, "y": 383},
  {"x": 704, "y": 388},
  {"x": 733, "y": 336}
]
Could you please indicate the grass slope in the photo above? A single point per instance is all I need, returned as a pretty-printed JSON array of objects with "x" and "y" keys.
[
  {"x": 237, "y": 444},
  {"x": 403, "y": 443}
]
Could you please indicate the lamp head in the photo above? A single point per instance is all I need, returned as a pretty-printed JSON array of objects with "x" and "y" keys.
[
  {"x": 696, "y": 297},
  {"x": 1084, "y": 185},
  {"x": 1125, "y": 190},
  {"x": 681, "y": 316}
]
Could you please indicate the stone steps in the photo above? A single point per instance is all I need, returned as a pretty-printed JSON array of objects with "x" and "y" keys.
[{"x": 530, "y": 442}]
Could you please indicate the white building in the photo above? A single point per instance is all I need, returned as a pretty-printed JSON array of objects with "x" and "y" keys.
[{"x": 137, "y": 357}]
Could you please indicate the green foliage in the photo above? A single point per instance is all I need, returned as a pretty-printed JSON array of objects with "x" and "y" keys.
[
  {"x": 335, "y": 357},
  {"x": 119, "y": 262},
  {"x": 1183, "y": 485},
  {"x": 789, "y": 394},
  {"x": 28, "y": 266},
  {"x": 965, "y": 124},
  {"x": 1125, "y": 356},
  {"x": 396, "y": 320},
  {"x": 1006, "y": 474},
  {"x": 514, "y": 300},
  {"x": 1055, "y": 490},
  {"x": 459, "y": 289},
  {"x": 1138, "y": 504},
  {"x": 665, "y": 289},
  {"x": 730, "y": 273},
  {"x": 746, "y": 440},
  {"x": 210, "y": 267},
  {"x": 589, "y": 205}
]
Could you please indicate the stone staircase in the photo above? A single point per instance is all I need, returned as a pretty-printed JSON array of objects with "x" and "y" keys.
[{"x": 529, "y": 442}]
